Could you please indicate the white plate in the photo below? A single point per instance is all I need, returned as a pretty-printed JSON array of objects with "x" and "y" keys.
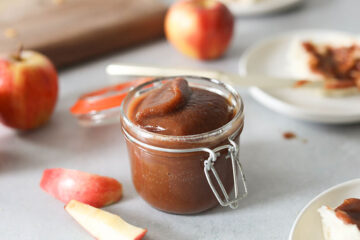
[
  {"x": 308, "y": 223},
  {"x": 261, "y": 7},
  {"x": 270, "y": 57}
]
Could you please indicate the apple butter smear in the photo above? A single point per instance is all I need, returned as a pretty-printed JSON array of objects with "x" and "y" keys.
[
  {"x": 349, "y": 211},
  {"x": 340, "y": 66}
]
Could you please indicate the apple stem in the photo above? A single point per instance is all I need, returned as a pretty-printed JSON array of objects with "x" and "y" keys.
[{"x": 17, "y": 55}]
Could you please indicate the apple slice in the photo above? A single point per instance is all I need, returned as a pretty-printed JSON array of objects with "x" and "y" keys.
[
  {"x": 92, "y": 189},
  {"x": 103, "y": 225}
]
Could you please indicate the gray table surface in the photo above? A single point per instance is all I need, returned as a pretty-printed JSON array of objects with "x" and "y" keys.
[{"x": 282, "y": 175}]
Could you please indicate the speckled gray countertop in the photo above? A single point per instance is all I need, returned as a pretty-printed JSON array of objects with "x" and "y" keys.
[{"x": 282, "y": 175}]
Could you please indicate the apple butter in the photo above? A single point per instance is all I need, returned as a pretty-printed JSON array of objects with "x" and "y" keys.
[
  {"x": 349, "y": 211},
  {"x": 163, "y": 122},
  {"x": 339, "y": 65},
  {"x": 176, "y": 109}
]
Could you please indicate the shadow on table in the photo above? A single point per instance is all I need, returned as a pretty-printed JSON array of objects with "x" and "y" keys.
[
  {"x": 156, "y": 230},
  {"x": 63, "y": 133},
  {"x": 266, "y": 182},
  {"x": 352, "y": 131},
  {"x": 61, "y": 138},
  {"x": 269, "y": 179},
  {"x": 13, "y": 161},
  {"x": 317, "y": 3},
  {"x": 167, "y": 233}
]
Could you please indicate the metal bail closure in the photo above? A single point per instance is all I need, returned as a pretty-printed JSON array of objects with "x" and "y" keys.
[{"x": 233, "y": 152}]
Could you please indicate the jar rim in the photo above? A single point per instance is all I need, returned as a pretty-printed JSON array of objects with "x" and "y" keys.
[{"x": 145, "y": 133}]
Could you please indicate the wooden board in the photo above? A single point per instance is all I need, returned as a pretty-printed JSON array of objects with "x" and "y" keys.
[{"x": 69, "y": 31}]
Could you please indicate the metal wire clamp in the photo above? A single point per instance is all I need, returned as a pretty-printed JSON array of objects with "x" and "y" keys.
[{"x": 233, "y": 151}]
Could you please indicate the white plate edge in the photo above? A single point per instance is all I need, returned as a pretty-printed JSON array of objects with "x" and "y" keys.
[{"x": 240, "y": 11}]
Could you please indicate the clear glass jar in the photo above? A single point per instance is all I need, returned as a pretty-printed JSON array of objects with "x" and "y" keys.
[{"x": 192, "y": 173}]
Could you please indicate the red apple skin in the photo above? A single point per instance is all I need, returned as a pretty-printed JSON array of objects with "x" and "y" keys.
[
  {"x": 142, "y": 235},
  {"x": 28, "y": 90},
  {"x": 201, "y": 29},
  {"x": 92, "y": 189}
]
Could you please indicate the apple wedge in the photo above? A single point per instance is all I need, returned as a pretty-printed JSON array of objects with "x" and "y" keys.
[
  {"x": 101, "y": 224},
  {"x": 92, "y": 189}
]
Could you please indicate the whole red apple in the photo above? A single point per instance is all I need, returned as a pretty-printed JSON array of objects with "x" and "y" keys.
[
  {"x": 28, "y": 90},
  {"x": 201, "y": 29}
]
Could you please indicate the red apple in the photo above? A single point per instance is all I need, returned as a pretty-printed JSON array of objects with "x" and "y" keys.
[
  {"x": 201, "y": 29},
  {"x": 28, "y": 90},
  {"x": 103, "y": 225},
  {"x": 68, "y": 184}
]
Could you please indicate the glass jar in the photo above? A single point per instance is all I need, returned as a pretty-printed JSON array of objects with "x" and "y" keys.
[{"x": 192, "y": 173}]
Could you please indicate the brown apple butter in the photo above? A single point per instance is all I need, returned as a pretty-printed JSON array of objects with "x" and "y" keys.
[
  {"x": 349, "y": 211},
  {"x": 340, "y": 66},
  {"x": 172, "y": 114},
  {"x": 176, "y": 109}
]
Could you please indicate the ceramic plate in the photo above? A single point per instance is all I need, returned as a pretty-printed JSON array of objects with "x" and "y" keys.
[
  {"x": 308, "y": 223},
  {"x": 260, "y": 7},
  {"x": 271, "y": 57}
]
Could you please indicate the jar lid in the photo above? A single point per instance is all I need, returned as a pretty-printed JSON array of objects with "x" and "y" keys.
[{"x": 102, "y": 106}]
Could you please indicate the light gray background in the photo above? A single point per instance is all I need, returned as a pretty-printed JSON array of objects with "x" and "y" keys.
[{"x": 282, "y": 175}]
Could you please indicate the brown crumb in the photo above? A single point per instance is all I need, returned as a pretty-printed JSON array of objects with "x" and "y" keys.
[
  {"x": 10, "y": 33},
  {"x": 58, "y": 2},
  {"x": 300, "y": 83},
  {"x": 289, "y": 135}
]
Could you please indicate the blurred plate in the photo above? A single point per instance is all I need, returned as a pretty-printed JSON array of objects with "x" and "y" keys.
[
  {"x": 260, "y": 7},
  {"x": 270, "y": 57},
  {"x": 307, "y": 225}
]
